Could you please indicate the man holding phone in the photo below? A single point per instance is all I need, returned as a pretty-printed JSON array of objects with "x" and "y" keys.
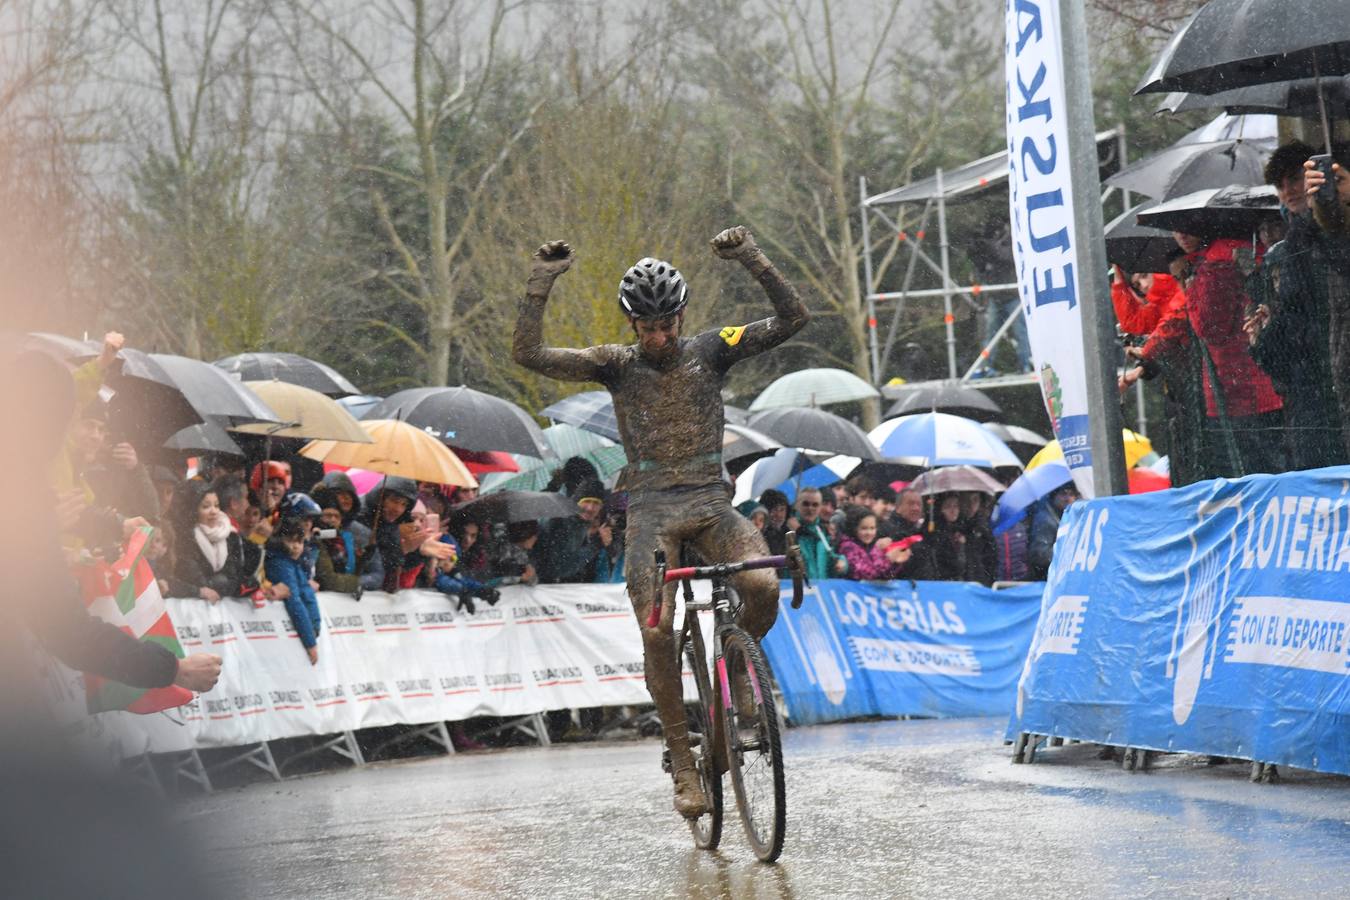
[{"x": 1326, "y": 183}]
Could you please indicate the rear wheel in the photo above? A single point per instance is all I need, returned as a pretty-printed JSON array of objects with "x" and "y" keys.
[
  {"x": 754, "y": 749},
  {"x": 707, "y": 828}
]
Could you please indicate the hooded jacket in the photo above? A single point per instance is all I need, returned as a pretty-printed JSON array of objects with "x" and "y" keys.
[
  {"x": 301, "y": 604},
  {"x": 1214, "y": 308}
]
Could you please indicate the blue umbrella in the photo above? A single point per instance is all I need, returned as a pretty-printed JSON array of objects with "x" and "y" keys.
[
  {"x": 1023, "y": 493},
  {"x": 937, "y": 439}
]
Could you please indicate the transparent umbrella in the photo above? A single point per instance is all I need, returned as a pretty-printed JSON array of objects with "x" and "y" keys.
[{"x": 813, "y": 387}]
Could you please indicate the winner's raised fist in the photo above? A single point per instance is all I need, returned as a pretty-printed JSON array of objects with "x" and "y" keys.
[
  {"x": 735, "y": 243},
  {"x": 553, "y": 258}
]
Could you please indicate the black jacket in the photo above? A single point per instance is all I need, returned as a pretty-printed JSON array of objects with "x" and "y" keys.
[{"x": 193, "y": 571}]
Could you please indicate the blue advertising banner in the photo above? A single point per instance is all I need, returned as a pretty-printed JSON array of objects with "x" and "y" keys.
[
  {"x": 859, "y": 648},
  {"x": 1211, "y": 619}
]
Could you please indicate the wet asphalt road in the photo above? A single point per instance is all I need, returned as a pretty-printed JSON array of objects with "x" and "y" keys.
[{"x": 890, "y": 809}]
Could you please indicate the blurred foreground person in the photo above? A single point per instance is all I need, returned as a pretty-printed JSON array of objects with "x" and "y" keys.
[{"x": 65, "y": 830}]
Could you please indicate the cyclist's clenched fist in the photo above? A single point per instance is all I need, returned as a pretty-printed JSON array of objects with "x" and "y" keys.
[
  {"x": 735, "y": 242},
  {"x": 553, "y": 259}
]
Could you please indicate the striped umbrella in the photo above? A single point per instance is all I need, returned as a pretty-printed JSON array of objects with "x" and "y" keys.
[{"x": 938, "y": 439}]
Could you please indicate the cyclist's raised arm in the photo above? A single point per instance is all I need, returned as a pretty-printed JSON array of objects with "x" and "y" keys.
[
  {"x": 790, "y": 314},
  {"x": 527, "y": 344}
]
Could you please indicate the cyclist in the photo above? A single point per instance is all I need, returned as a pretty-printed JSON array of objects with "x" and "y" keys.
[{"x": 667, "y": 392}]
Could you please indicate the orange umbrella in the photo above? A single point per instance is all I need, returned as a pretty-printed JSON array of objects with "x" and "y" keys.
[{"x": 397, "y": 448}]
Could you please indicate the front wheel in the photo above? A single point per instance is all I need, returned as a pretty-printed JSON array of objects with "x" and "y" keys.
[{"x": 754, "y": 749}]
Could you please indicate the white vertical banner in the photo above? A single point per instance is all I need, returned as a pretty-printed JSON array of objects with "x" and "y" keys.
[{"x": 1041, "y": 205}]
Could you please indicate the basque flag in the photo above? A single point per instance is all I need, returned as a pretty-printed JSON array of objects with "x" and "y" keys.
[{"x": 127, "y": 595}]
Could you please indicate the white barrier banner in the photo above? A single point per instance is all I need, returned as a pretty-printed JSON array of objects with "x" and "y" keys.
[
  {"x": 409, "y": 658},
  {"x": 1041, "y": 206}
]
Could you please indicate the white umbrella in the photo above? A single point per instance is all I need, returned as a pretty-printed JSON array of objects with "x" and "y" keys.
[{"x": 814, "y": 387}]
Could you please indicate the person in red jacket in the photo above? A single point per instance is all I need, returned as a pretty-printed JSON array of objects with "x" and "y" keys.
[
  {"x": 1143, "y": 299},
  {"x": 1243, "y": 412}
]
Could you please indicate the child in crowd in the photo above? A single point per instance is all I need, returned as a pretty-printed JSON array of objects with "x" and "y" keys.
[
  {"x": 160, "y": 557},
  {"x": 514, "y": 557},
  {"x": 870, "y": 558},
  {"x": 286, "y": 564},
  {"x": 450, "y": 578},
  {"x": 474, "y": 561}
]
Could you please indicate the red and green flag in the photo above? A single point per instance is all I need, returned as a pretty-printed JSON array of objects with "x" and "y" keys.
[{"x": 127, "y": 595}]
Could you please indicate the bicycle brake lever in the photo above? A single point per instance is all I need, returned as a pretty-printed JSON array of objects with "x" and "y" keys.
[{"x": 796, "y": 569}]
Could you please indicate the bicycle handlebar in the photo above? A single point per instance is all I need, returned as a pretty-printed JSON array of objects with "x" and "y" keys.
[{"x": 792, "y": 561}]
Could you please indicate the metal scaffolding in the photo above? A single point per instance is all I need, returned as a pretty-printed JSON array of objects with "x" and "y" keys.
[{"x": 935, "y": 193}]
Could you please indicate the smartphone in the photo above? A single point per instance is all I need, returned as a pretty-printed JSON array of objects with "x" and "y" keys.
[
  {"x": 906, "y": 543},
  {"x": 434, "y": 522},
  {"x": 1326, "y": 194},
  {"x": 326, "y": 534}
]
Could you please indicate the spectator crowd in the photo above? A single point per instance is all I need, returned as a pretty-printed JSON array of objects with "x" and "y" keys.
[{"x": 1246, "y": 333}]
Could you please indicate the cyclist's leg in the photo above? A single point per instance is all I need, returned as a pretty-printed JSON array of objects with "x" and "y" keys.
[
  {"x": 651, "y": 524},
  {"x": 727, "y": 536}
]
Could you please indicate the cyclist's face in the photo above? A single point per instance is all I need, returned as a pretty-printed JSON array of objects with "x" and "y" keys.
[{"x": 658, "y": 338}]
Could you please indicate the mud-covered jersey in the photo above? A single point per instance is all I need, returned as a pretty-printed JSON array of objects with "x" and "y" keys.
[{"x": 670, "y": 415}]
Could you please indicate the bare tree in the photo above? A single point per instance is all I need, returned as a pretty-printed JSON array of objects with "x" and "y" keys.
[
  {"x": 617, "y": 170},
  {"x": 811, "y": 86},
  {"x": 203, "y": 269},
  {"x": 444, "y": 70}
]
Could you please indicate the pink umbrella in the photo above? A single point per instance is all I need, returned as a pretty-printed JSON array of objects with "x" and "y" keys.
[{"x": 363, "y": 480}]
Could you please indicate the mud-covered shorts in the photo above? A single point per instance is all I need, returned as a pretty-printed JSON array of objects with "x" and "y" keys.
[{"x": 704, "y": 518}]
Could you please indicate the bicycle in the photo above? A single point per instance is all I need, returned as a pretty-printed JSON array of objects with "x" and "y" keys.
[{"x": 750, "y": 749}]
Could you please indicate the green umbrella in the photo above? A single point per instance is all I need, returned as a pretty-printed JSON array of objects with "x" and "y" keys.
[
  {"x": 813, "y": 387},
  {"x": 535, "y": 473}
]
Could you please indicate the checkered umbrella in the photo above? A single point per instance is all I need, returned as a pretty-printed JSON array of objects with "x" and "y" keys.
[{"x": 591, "y": 411}]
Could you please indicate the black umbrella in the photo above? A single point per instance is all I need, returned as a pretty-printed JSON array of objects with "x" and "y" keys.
[
  {"x": 1234, "y": 211},
  {"x": 814, "y": 429},
  {"x": 948, "y": 396},
  {"x": 1230, "y": 44},
  {"x": 516, "y": 506},
  {"x": 206, "y": 437},
  {"x": 157, "y": 395},
  {"x": 290, "y": 368},
  {"x": 591, "y": 411},
  {"x": 466, "y": 418},
  {"x": 742, "y": 445},
  {"x": 1139, "y": 248},
  {"x": 1185, "y": 168},
  {"x": 71, "y": 351},
  {"x": 1279, "y": 98}
]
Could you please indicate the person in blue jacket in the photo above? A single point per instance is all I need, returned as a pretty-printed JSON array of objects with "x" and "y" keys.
[{"x": 286, "y": 563}]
